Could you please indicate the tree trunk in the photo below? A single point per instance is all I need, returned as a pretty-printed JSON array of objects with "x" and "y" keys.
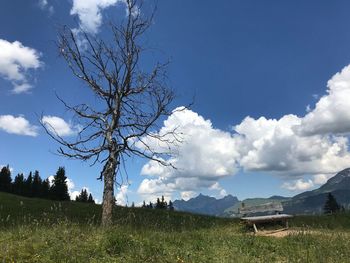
[{"x": 108, "y": 191}]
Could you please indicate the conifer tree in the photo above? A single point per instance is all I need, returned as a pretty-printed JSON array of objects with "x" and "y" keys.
[
  {"x": 18, "y": 184},
  {"x": 158, "y": 203},
  {"x": 163, "y": 203},
  {"x": 82, "y": 197},
  {"x": 144, "y": 204},
  {"x": 45, "y": 188},
  {"x": 5, "y": 179},
  {"x": 28, "y": 185},
  {"x": 37, "y": 185},
  {"x": 170, "y": 206},
  {"x": 59, "y": 188},
  {"x": 91, "y": 199},
  {"x": 331, "y": 205}
]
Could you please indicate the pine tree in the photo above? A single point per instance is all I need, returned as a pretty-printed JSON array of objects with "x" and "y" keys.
[
  {"x": 144, "y": 204},
  {"x": 37, "y": 185},
  {"x": 82, "y": 197},
  {"x": 170, "y": 206},
  {"x": 91, "y": 199},
  {"x": 28, "y": 185},
  {"x": 45, "y": 189},
  {"x": 163, "y": 203},
  {"x": 5, "y": 179},
  {"x": 331, "y": 205},
  {"x": 59, "y": 188},
  {"x": 158, "y": 204},
  {"x": 18, "y": 184}
]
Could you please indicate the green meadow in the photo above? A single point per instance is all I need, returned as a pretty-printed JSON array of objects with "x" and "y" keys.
[{"x": 35, "y": 230}]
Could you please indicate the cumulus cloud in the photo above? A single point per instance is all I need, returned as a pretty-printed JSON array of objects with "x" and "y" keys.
[
  {"x": 17, "y": 125},
  {"x": 90, "y": 12},
  {"x": 298, "y": 185},
  {"x": 70, "y": 184},
  {"x": 122, "y": 195},
  {"x": 291, "y": 147},
  {"x": 331, "y": 113},
  {"x": 59, "y": 126},
  {"x": 274, "y": 146},
  {"x": 15, "y": 62},
  {"x": 206, "y": 155}
]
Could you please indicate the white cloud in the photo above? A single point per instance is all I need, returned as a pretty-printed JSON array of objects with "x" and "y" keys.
[
  {"x": 21, "y": 88},
  {"x": 59, "y": 126},
  {"x": 17, "y": 125},
  {"x": 291, "y": 147},
  {"x": 70, "y": 184},
  {"x": 90, "y": 12},
  {"x": 321, "y": 178},
  {"x": 51, "y": 178},
  {"x": 122, "y": 195},
  {"x": 186, "y": 195},
  {"x": 74, "y": 194},
  {"x": 274, "y": 146},
  {"x": 206, "y": 155},
  {"x": 298, "y": 185},
  {"x": 45, "y": 6},
  {"x": 223, "y": 193},
  {"x": 331, "y": 113},
  {"x": 15, "y": 62}
]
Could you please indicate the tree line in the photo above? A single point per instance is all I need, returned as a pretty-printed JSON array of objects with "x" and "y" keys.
[
  {"x": 160, "y": 204},
  {"x": 34, "y": 186}
]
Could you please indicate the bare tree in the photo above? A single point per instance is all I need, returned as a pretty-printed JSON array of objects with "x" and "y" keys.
[{"x": 129, "y": 99}]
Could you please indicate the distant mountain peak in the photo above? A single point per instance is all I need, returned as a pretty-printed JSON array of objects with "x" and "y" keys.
[
  {"x": 345, "y": 172},
  {"x": 338, "y": 178}
]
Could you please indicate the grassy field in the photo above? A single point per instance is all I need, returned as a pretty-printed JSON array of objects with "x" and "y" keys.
[{"x": 34, "y": 230}]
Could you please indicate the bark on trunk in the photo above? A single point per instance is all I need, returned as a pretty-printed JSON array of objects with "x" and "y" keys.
[{"x": 108, "y": 191}]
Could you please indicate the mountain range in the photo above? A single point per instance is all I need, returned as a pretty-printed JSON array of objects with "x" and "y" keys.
[
  {"x": 309, "y": 202},
  {"x": 207, "y": 205}
]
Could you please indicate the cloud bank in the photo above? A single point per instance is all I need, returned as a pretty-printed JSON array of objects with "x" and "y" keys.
[{"x": 291, "y": 147}]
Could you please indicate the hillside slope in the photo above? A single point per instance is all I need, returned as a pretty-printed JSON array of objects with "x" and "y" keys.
[
  {"x": 42, "y": 231},
  {"x": 16, "y": 210},
  {"x": 312, "y": 202}
]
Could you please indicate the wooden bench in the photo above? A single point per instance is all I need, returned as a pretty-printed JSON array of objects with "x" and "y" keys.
[{"x": 276, "y": 208}]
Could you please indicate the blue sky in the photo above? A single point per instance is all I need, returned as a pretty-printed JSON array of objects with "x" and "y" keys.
[{"x": 270, "y": 60}]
